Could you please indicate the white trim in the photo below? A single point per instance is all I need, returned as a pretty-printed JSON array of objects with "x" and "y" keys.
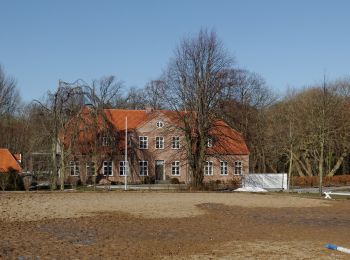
[
  {"x": 143, "y": 166},
  {"x": 75, "y": 166},
  {"x": 239, "y": 166},
  {"x": 124, "y": 166},
  {"x": 155, "y": 143},
  {"x": 159, "y": 124},
  {"x": 178, "y": 166},
  {"x": 209, "y": 165},
  {"x": 210, "y": 142},
  {"x": 172, "y": 142},
  {"x": 226, "y": 166},
  {"x": 103, "y": 168},
  {"x": 146, "y": 137}
]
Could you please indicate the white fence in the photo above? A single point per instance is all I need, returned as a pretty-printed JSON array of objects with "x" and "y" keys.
[{"x": 266, "y": 180}]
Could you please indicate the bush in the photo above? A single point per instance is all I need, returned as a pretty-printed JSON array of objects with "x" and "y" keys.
[
  {"x": 311, "y": 181},
  {"x": 174, "y": 181}
]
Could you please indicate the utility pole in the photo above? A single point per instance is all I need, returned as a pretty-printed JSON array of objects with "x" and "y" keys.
[{"x": 321, "y": 162}]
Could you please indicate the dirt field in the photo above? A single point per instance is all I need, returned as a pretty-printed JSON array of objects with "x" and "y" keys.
[{"x": 154, "y": 225}]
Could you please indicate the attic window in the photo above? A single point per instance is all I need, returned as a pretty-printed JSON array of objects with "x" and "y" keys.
[
  {"x": 160, "y": 124},
  {"x": 210, "y": 142}
]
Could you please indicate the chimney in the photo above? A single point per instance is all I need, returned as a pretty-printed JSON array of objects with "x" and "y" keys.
[{"x": 149, "y": 109}]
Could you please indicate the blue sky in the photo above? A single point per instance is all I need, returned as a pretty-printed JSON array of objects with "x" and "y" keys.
[{"x": 290, "y": 43}]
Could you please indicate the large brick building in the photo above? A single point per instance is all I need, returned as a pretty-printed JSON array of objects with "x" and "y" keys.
[{"x": 156, "y": 150}]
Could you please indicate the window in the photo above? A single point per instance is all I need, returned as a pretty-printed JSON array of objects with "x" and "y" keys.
[
  {"x": 90, "y": 168},
  {"x": 107, "y": 168},
  {"x": 160, "y": 124},
  {"x": 143, "y": 167},
  {"x": 106, "y": 141},
  {"x": 210, "y": 142},
  {"x": 175, "y": 168},
  {"x": 74, "y": 168},
  {"x": 123, "y": 168},
  {"x": 208, "y": 168},
  {"x": 223, "y": 168},
  {"x": 175, "y": 142},
  {"x": 238, "y": 167},
  {"x": 159, "y": 142},
  {"x": 143, "y": 140}
]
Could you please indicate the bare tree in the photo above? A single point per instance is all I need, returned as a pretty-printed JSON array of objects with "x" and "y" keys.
[
  {"x": 194, "y": 83},
  {"x": 9, "y": 95}
]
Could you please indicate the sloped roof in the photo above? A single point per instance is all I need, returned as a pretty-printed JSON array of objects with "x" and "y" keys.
[
  {"x": 8, "y": 161},
  {"x": 226, "y": 139},
  {"x": 135, "y": 117}
]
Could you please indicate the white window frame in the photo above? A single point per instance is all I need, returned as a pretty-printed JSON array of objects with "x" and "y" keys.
[
  {"x": 159, "y": 144},
  {"x": 208, "y": 168},
  {"x": 238, "y": 168},
  {"x": 143, "y": 142},
  {"x": 223, "y": 168},
  {"x": 74, "y": 168},
  {"x": 90, "y": 165},
  {"x": 210, "y": 142},
  {"x": 106, "y": 141},
  {"x": 175, "y": 142},
  {"x": 160, "y": 124},
  {"x": 143, "y": 168},
  {"x": 123, "y": 168},
  {"x": 104, "y": 167},
  {"x": 175, "y": 168}
]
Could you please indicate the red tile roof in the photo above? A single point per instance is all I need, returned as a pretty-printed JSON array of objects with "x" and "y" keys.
[
  {"x": 8, "y": 161},
  {"x": 226, "y": 139}
]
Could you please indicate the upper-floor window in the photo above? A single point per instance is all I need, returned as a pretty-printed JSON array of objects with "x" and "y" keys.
[
  {"x": 175, "y": 168},
  {"x": 143, "y": 142},
  {"x": 123, "y": 168},
  {"x": 210, "y": 142},
  {"x": 208, "y": 168},
  {"x": 106, "y": 141},
  {"x": 159, "y": 142},
  {"x": 223, "y": 168},
  {"x": 238, "y": 167},
  {"x": 143, "y": 168},
  {"x": 160, "y": 124},
  {"x": 107, "y": 168},
  {"x": 175, "y": 142},
  {"x": 74, "y": 168},
  {"x": 90, "y": 168}
]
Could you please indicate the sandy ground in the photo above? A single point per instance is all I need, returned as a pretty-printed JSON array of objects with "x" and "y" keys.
[{"x": 155, "y": 225}]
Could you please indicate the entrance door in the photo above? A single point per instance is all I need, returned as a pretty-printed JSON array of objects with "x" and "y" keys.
[{"x": 159, "y": 170}]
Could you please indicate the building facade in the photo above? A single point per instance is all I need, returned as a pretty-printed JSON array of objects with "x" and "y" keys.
[{"x": 156, "y": 151}]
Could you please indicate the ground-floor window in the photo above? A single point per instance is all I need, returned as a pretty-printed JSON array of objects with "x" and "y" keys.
[
  {"x": 143, "y": 168},
  {"x": 223, "y": 168},
  {"x": 107, "y": 168},
  {"x": 208, "y": 168},
  {"x": 90, "y": 168},
  {"x": 238, "y": 167},
  {"x": 122, "y": 168},
  {"x": 175, "y": 168},
  {"x": 74, "y": 168}
]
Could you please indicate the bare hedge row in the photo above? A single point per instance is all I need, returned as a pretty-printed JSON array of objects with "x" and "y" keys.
[{"x": 312, "y": 181}]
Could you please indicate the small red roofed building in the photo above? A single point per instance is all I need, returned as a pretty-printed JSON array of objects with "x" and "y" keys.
[
  {"x": 8, "y": 162},
  {"x": 156, "y": 150}
]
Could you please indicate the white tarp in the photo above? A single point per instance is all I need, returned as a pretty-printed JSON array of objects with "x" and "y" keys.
[
  {"x": 266, "y": 180},
  {"x": 251, "y": 189}
]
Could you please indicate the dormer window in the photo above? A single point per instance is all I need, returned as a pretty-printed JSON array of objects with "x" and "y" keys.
[
  {"x": 160, "y": 124},
  {"x": 210, "y": 142},
  {"x": 106, "y": 141}
]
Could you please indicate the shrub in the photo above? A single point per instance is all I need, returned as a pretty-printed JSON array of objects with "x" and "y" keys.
[{"x": 174, "y": 181}]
